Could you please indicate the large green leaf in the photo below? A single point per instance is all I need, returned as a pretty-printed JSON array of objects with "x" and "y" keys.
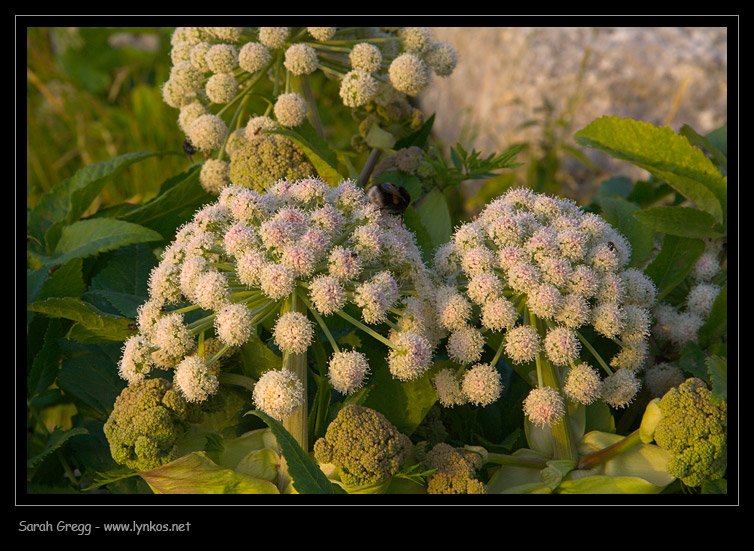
[
  {"x": 44, "y": 368},
  {"x": 717, "y": 366},
  {"x": 307, "y": 477},
  {"x": 67, "y": 201},
  {"x": 681, "y": 221},
  {"x": 435, "y": 216},
  {"x": 179, "y": 198},
  {"x": 57, "y": 439},
  {"x": 665, "y": 154},
  {"x": 257, "y": 358},
  {"x": 196, "y": 473},
  {"x": 92, "y": 324},
  {"x": 90, "y": 237},
  {"x": 672, "y": 265},
  {"x": 620, "y": 214}
]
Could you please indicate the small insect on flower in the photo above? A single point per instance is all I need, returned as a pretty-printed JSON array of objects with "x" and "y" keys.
[
  {"x": 389, "y": 197},
  {"x": 188, "y": 148}
]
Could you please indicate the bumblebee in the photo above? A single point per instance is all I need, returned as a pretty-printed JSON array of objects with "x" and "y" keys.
[
  {"x": 389, "y": 197},
  {"x": 188, "y": 148}
]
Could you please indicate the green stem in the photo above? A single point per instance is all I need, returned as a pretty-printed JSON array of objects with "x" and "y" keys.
[
  {"x": 297, "y": 423},
  {"x": 366, "y": 172},
  {"x": 563, "y": 445},
  {"x": 368, "y": 330},
  {"x": 591, "y": 460},
  {"x": 321, "y": 323},
  {"x": 594, "y": 353},
  {"x": 237, "y": 380},
  {"x": 313, "y": 113}
]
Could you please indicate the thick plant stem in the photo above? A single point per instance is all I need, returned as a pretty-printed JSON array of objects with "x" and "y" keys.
[
  {"x": 594, "y": 459},
  {"x": 297, "y": 423},
  {"x": 563, "y": 445},
  {"x": 302, "y": 86}
]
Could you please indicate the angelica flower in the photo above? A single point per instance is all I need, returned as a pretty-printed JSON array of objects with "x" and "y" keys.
[
  {"x": 293, "y": 332},
  {"x": 136, "y": 360},
  {"x": 278, "y": 393},
  {"x": 254, "y": 57},
  {"x": 582, "y": 384},
  {"x": 273, "y": 37},
  {"x": 221, "y": 88},
  {"x": 408, "y": 74},
  {"x": 195, "y": 380},
  {"x": 448, "y": 388},
  {"x": 442, "y": 58},
  {"x": 365, "y": 57},
  {"x": 522, "y": 343},
  {"x": 411, "y": 357},
  {"x": 207, "y": 132},
  {"x": 701, "y": 299},
  {"x": 214, "y": 176},
  {"x": 322, "y": 33},
  {"x": 347, "y": 371},
  {"x": 620, "y": 388},
  {"x": 290, "y": 109},
  {"x": 357, "y": 88},
  {"x": 233, "y": 324},
  {"x": 171, "y": 335},
  {"x": 561, "y": 345},
  {"x": 544, "y": 406},
  {"x": 465, "y": 344},
  {"x": 482, "y": 384}
]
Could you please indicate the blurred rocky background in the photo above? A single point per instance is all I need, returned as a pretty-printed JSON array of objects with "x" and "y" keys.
[{"x": 540, "y": 85}]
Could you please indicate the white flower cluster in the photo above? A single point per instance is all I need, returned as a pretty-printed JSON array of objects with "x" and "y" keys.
[
  {"x": 538, "y": 268},
  {"x": 213, "y": 66},
  {"x": 680, "y": 325},
  {"x": 243, "y": 255}
]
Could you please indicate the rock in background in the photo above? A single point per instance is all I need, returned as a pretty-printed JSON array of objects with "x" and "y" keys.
[{"x": 664, "y": 75}]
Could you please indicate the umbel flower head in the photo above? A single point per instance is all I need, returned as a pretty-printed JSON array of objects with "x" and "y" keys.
[
  {"x": 251, "y": 256},
  {"x": 215, "y": 67},
  {"x": 540, "y": 269}
]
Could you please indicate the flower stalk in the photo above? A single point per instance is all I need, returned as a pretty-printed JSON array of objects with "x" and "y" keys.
[{"x": 296, "y": 423}]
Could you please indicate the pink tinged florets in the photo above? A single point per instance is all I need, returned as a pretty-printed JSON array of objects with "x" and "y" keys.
[
  {"x": 453, "y": 309},
  {"x": 344, "y": 263},
  {"x": 239, "y": 239},
  {"x": 245, "y": 204},
  {"x": 685, "y": 328},
  {"x": 412, "y": 356},
  {"x": 191, "y": 269},
  {"x": 477, "y": 260},
  {"x": 278, "y": 393},
  {"x": 276, "y": 234},
  {"x": 249, "y": 267},
  {"x": 637, "y": 324},
  {"x": 545, "y": 301},
  {"x": 582, "y": 384},
  {"x": 547, "y": 208},
  {"x": 608, "y": 319},
  {"x": 562, "y": 346},
  {"x": 611, "y": 289},
  {"x": 543, "y": 244},
  {"x": 706, "y": 267},
  {"x": 136, "y": 360},
  {"x": 300, "y": 259},
  {"x": 519, "y": 197},
  {"x": 556, "y": 271},
  {"x": 327, "y": 294},
  {"x": 164, "y": 284},
  {"x": 498, "y": 314},
  {"x": 172, "y": 336},
  {"x": 510, "y": 256},
  {"x": 620, "y": 388},
  {"x": 640, "y": 290},
  {"x": 147, "y": 316},
  {"x": 194, "y": 379},
  {"x": 593, "y": 226},
  {"x": 347, "y": 371},
  {"x": 631, "y": 357},
  {"x": 544, "y": 406},
  {"x": 524, "y": 277},
  {"x": 482, "y": 385},
  {"x": 574, "y": 311},
  {"x": 233, "y": 324},
  {"x": 484, "y": 286},
  {"x": 505, "y": 231},
  {"x": 293, "y": 332},
  {"x": 315, "y": 240},
  {"x": 328, "y": 219},
  {"x": 448, "y": 388},
  {"x": 445, "y": 260},
  {"x": 522, "y": 343},
  {"x": 276, "y": 281},
  {"x": 572, "y": 244},
  {"x": 211, "y": 291},
  {"x": 467, "y": 236},
  {"x": 701, "y": 299},
  {"x": 367, "y": 241},
  {"x": 584, "y": 281},
  {"x": 376, "y": 296},
  {"x": 465, "y": 345},
  {"x": 603, "y": 258}
]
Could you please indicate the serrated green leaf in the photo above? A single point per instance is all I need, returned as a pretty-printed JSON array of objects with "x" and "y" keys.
[
  {"x": 90, "y": 237},
  {"x": 179, "y": 198},
  {"x": 56, "y": 439},
  {"x": 665, "y": 154},
  {"x": 674, "y": 262},
  {"x": 418, "y": 138},
  {"x": 620, "y": 213},
  {"x": 717, "y": 321},
  {"x": 681, "y": 221},
  {"x": 307, "y": 477},
  {"x": 68, "y": 200},
  {"x": 46, "y": 362},
  {"x": 706, "y": 144},
  {"x": 717, "y": 367},
  {"x": 97, "y": 324}
]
